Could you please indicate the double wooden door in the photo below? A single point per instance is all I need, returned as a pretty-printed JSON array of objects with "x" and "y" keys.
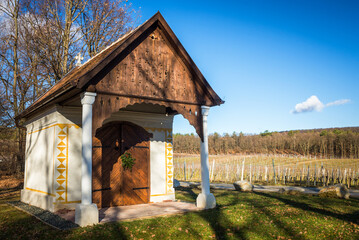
[{"x": 124, "y": 186}]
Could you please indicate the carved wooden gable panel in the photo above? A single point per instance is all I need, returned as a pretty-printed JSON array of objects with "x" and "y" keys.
[{"x": 153, "y": 70}]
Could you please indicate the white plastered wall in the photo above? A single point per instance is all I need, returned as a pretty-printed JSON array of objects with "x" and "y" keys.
[
  {"x": 53, "y": 156},
  {"x": 53, "y": 159},
  {"x": 161, "y": 151}
]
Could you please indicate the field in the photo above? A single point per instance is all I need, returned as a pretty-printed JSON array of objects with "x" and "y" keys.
[
  {"x": 238, "y": 215},
  {"x": 270, "y": 169}
]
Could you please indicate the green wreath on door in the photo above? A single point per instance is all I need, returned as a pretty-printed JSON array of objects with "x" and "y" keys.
[{"x": 127, "y": 161}]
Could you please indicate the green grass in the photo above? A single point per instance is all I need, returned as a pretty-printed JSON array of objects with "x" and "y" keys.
[{"x": 238, "y": 216}]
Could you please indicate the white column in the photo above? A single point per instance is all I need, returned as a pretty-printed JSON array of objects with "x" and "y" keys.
[
  {"x": 87, "y": 99},
  {"x": 205, "y": 199},
  {"x": 204, "y": 153},
  {"x": 86, "y": 213}
]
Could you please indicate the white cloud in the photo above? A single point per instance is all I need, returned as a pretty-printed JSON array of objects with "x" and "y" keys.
[
  {"x": 309, "y": 105},
  {"x": 338, "y": 102},
  {"x": 314, "y": 104}
]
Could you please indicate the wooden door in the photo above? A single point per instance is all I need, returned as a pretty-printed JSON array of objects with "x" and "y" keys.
[{"x": 123, "y": 186}]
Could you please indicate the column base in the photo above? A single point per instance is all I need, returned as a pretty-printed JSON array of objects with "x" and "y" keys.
[
  {"x": 86, "y": 214},
  {"x": 206, "y": 201}
]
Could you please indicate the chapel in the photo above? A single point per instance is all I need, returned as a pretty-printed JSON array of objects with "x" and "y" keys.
[{"x": 102, "y": 135}]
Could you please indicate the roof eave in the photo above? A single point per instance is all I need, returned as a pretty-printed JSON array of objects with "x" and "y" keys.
[{"x": 47, "y": 100}]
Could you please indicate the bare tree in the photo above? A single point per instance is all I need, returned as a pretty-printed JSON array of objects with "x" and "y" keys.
[
  {"x": 39, "y": 40},
  {"x": 104, "y": 21},
  {"x": 9, "y": 51},
  {"x": 53, "y": 27}
]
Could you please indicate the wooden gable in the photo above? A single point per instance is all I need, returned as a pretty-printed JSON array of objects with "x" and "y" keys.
[
  {"x": 147, "y": 65},
  {"x": 153, "y": 70}
]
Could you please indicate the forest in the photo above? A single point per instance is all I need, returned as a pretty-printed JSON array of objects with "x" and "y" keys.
[{"x": 324, "y": 143}]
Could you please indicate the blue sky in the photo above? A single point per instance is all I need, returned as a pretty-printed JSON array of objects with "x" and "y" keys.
[{"x": 265, "y": 57}]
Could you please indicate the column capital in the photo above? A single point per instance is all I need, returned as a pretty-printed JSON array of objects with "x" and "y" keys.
[
  {"x": 88, "y": 98},
  {"x": 205, "y": 110}
]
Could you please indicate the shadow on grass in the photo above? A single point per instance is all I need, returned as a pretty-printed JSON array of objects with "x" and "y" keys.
[
  {"x": 218, "y": 221},
  {"x": 243, "y": 231},
  {"x": 352, "y": 217},
  {"x": 226, "y": 227},
  {"x": 189, "y": 191},
  {"x": 8, "y": 192}
]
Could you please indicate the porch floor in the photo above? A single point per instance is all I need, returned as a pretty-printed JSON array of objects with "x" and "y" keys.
[{"x": 139, "y": 211}]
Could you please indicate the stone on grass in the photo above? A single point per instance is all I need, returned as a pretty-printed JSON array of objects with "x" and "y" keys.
[
  {"x": 290, "y": 191},
  {"x": 176, "y": 183},
  {"x": 335, "y": 191},
  {"x": 243, "y": 186},
  {"x": 185, "y": 184},
  {"x": 194, "y": 185}
]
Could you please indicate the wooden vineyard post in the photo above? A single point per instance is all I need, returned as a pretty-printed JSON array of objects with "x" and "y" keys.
[
  {"x": 315, "y": 174},
  {"x": 353, "y": 176},
  {"x": 227, "y": 172},
  {"x": 242, "y": 169},
  {"x": 266, "y": 174},
  {"x": 301, "y": 176},
  {"x": 289, "y": 176},
  {"x": 275, "y": 180},
  {"x": 338, "y": 175},
  {"x": 255, "y": 173},
  {"x": 259, "y": 177},
  {"x": 279, "y": 173},
  {"x": 192, "y": 172},
  {"x": 184, "y": 170},
  {"x": 349, "y": 177},
  {"x": 212, "y": 172},
  {"x": 295, "y": 172},
  {"x": 237, "y": 173},
  {"x": 308, "y": 175},
  {"x": 344, "y": 177},
  {"x": 323, "y": 173},
  {"x": 327, "y": 180},
  {"x": 250, "y": 172}
]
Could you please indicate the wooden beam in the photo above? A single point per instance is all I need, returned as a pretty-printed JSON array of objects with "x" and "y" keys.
[{"x": 148, "y": 98}]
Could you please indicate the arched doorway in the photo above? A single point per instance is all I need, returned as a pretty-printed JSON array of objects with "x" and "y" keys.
[{"x": 121, "y": 186}]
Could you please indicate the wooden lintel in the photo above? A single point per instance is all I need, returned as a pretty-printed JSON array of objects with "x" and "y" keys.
[{"x": 149, "y": 98}]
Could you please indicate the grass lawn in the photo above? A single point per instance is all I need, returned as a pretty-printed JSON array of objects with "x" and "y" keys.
[{"x": 238, "y": 216}]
